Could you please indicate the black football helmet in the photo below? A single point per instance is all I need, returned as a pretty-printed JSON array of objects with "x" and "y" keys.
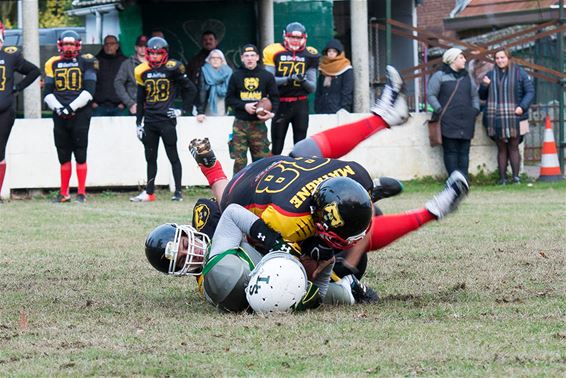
[
  {"x": 176, "y": 249},
  {"x": 157, "y": 45},
  {"x": 69, "y": 44},
  {"x": 342, "y": 211},
  {"x": 295, "y": 36}
]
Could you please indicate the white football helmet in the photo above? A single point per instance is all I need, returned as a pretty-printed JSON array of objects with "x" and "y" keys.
[{"x": 276, "y": 284}]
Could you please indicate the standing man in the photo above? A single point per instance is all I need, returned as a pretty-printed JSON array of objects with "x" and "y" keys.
[
  {"x": 208, "y": 43},
  {"x": 106, "y": 100},
  {"x": 125, "y": 83},
  {"x": 70, "y": 82},
  {"x": 294, "y": 66},
  {"x": 159, "y": 80},
  {"x": 11, "y": 60},
  {"x": 246, "y": 87}
]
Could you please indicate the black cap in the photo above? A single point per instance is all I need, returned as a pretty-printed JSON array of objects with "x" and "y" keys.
[
  {"x": 249, "y": 48},
  {"x": 141, "y": 40}
]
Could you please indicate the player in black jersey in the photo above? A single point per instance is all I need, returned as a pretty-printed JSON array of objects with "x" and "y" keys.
[
  {"x": 70, "y": 81},
  {"x": 294, "y": 65},
  {"x": 159, "y": 80},
  {"x": 11, "y": 60}
]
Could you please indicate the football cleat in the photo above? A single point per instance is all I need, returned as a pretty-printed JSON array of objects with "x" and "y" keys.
[
  {"x": 202, "y": 152},
  {"x": 361, "y": 292},
  {"x": 447, "y": 201},
  {"x": 81, "y": 198},
  {"x": 177, "y": 196},
  {"x": 61, "y": 198},
  {"x": 385, "y": 187},
  {"x": 143, "y": 197},
  {"x": 392, "y": 105}
]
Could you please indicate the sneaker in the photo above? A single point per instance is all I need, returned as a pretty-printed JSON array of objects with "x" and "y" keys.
[
  {"x": 392, "y": 105},
  {"x": 384, "y": 187},
  {"x": 202, "y": 152},
  {"x": 178, "y": 196},
  {"x": 143, "y": 197},
  {"x": 502, "y": 181},
  {"x": 361, "y": 292},
  {"x": 447, "y": 201},
  {"x": 516, "y": 180},
  {"x": 61, "y": 198},
  {"x": 81, "y": 198}
]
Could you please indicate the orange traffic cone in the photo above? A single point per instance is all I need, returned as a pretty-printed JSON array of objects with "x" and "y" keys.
[{"x": 549, "y": 165}]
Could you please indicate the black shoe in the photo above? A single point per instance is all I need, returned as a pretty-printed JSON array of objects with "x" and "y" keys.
[
  {"x": 81, "y": 198},
  {"x": 202, "y": 152},
  {"x": 361, "y": 292},
  {"x": 384, "y": 187},
  {"x": 178, "y": 196},
  {"x": 502, "y": 181},
  {"x": 516, "y": 180},
  {"x": 61, "y": 199}
]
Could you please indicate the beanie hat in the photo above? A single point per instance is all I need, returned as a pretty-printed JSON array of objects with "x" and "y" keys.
[{"x": 450, "y": 55}]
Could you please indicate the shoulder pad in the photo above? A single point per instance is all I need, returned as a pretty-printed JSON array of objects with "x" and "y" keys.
[
  {"x": 270, "y": 51},
  {"x": 312, "y": 50},
  {"x": 10, "y": 49},
  {"x": 88, "y": 57},
  {"x": 139, "y": 70},
  {"x": 171, "y": 64},
  {"x": 49, "y": 65}
]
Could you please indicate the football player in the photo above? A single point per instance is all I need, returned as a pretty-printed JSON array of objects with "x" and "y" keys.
[
  {"x": 70, "y": 81},
  {"x": 159, "y": 81},
  {"x": 294, "y": 65},
  {"x": 11, "y": 60}
]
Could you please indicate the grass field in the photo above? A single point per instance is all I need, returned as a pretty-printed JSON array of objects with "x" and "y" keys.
[{"x": 482, "y": 293}]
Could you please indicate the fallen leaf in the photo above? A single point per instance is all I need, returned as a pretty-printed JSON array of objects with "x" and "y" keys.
[
  {"x": 23, "y": 322},
  {"x": 543, "y": 254}
]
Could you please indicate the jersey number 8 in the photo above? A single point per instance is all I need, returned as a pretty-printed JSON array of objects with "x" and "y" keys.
[{"x": 157, "y": 90}]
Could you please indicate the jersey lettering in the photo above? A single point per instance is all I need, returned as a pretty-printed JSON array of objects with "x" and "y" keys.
[
  {"x": 2, "y": 78},
  {"x": 255, "y": 287},
  {"x": 68, "y": 79},
  {"x": 285, "y": 173},
  {"x": 157, "y": 90}
]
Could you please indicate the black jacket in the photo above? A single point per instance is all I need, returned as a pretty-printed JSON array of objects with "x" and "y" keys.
[{"x": 108, "y": 67}]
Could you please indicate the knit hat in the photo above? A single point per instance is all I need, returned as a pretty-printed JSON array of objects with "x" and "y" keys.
[
  {"x": 333, "y": 44},
  {"x": 451, "y": 54}
]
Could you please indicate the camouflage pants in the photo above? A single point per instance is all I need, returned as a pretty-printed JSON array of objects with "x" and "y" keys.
[{"x": 252, "y": 135}]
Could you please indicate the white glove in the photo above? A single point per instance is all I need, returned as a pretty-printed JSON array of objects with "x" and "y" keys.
[
  {"x": 174, "y": 113},
  {"x": 140, "y": 131}
]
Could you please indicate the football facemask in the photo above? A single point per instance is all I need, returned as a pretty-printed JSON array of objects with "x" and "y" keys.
[{"x": 196, "y": 247}]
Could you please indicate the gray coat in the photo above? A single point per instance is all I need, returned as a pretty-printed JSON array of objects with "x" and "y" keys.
[{"x": 125, "y": 82}]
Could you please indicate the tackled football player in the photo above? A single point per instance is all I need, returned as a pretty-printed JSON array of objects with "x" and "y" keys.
[
  {"x": 11, "y": 60},
  {"x": 159, "y": 81},
  {"x": 70, "y": 81}
]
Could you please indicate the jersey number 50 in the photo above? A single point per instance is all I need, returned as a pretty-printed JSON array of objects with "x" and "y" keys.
[{"x": 68, "y": 79}]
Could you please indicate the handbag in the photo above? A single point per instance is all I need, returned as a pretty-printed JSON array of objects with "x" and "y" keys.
[{"x": 434, "y": 126}]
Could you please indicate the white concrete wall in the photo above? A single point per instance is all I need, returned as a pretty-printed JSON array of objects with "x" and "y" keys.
[{"x": 116, "y": 157}]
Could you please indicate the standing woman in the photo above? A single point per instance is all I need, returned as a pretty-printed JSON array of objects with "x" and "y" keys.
[
  {"x": 213, "y": 85},
  {"x": 454, "y": 97},
  {"x": 335, "y": 87},
  {"x": 509, "y": 92}
]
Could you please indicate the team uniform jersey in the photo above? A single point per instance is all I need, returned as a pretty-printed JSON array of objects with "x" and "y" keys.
[
  {"x": 11, "y": 59},
  {"x": 67, "y": 78},
  {"x": 287, "y": 63},
  {"x": 278, "y": 189},
  {"x": 158, "y": 87}
]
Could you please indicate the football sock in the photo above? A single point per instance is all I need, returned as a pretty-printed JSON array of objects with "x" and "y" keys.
[
  {"x": 338, "y": 141},
  {"x": 81, "y": 177},
  {"x": 2, "y": 174},
  {"x": 66, "y": 170},
  {"x": 213, "y": 173},
  {"x": 385, "y": 229}
]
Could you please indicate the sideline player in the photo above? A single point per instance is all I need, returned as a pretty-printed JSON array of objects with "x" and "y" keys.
[
  {"x": 70, "y": 82},
  {"x": 11, "y": 60},
  {"x": 159, "y": 80},
  {"x": 294, "y": 65}
]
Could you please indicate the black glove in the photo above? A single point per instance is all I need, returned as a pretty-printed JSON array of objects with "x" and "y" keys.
[
  {"x": 297, "y": 77},
  {"x": 342, "y": 268},
  {"x": 262, "y": 237},
  {"x": 65, "y": 112},
  {"x": 316, "y": 249},
  {"x": 310, "y": 300},
  {"x": 140, "y": 131}
]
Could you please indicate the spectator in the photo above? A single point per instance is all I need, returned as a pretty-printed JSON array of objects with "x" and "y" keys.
[
  {"x": 247, "y": 86},
  {"x": 509, "y": 92},
  {"x": 454, "y": 99},
  {"x": 208, "y": 43},
  {"x": 125, "y": 83},
  {"x": 294, "y": 66},
  {"x": 335, "y": 86},
  {"x": 110, "y": 58},
  {"x": 213, "y": 84}
]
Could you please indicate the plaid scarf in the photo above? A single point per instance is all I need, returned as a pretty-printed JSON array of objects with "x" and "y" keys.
[{"x": 502, "y": 123}]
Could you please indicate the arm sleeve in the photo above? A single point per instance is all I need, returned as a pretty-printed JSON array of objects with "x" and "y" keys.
[
  {"x": 433, "y": 88},
  {"x": 120, "y": 84},
  {"x": 273, "y": 93},
  {"x": 310, "y": 80},
  {"x": 475, "y": 95},
  {"x": 234, "y": 223},
  {"x": 346, "y": 99},
  {"x": 201, "y": 99},
  {"x": 232, "y": 97},
  {"x": 528, "y": 90},
  {"x": 140, "y": 99},
  {"x": 280, "y": 80},
  {"x": 31, "y": 72}
]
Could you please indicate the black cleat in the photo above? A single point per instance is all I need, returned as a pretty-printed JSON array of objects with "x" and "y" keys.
[
  {"x": 202, "y": 152},
  {"x": 361, "y": 292},
  {"x": 81, "y": 198},
  {"x": 385, "y": 187},
  {"x": 178, "y": 196},
  {"x": 61, "y": 199}
]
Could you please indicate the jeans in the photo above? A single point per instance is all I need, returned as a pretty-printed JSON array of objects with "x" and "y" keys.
[
  {"x": 456, "y": 155},
  {"x": 107, "y": 111}
]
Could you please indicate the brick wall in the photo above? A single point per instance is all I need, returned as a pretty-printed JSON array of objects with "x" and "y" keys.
[{"x": 431, "y": 13}]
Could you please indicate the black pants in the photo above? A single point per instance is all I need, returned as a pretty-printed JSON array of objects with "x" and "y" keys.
[
  {"x": 7, "y": 118},
  {"x": 168, "y": 133},
  {"x": 71, "y": 135},
  {"x": 456, "y": 155},
  {"x": 297, "y": 113}
]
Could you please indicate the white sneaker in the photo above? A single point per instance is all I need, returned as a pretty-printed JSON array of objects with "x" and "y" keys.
[
  {"x": 447, "y": 201},
  {"x": 143, "y": 197},
  {"x": 392, "y": 105}
]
